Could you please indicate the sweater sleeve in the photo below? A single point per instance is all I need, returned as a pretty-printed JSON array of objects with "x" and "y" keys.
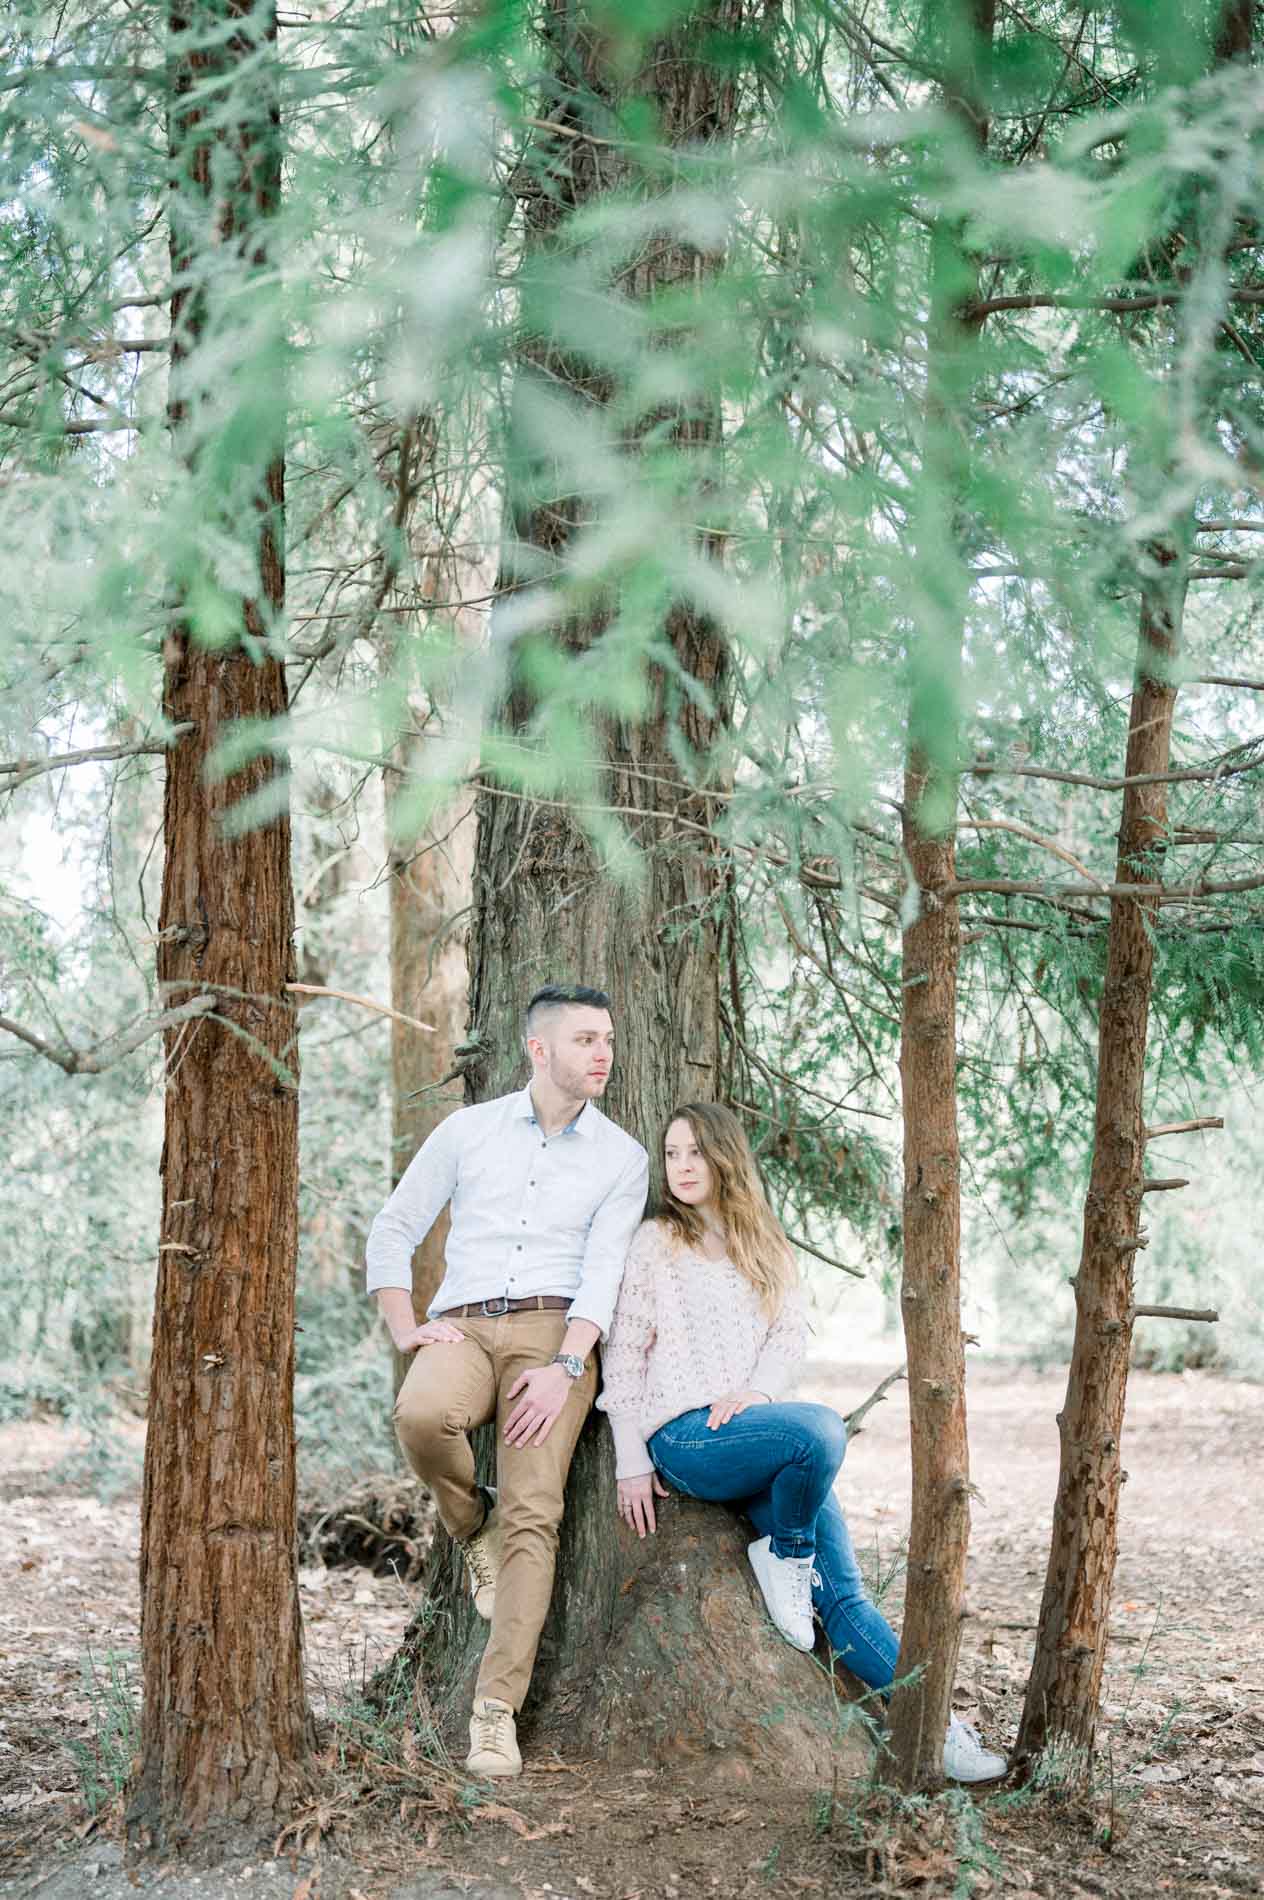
[
  {"x": 625, "y": 1355},
  {"x": 783, "y": 1351}
]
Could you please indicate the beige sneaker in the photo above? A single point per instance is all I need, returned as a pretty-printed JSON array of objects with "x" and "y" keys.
[
  {"x": 482, "y": 1560},
  {"x": 493, "y": 1740}
]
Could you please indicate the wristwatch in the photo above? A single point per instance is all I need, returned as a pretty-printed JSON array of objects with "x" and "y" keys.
[{"x": 571, "y": 1363}]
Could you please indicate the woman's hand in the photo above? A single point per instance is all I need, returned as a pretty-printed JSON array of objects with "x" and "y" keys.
[
  {"x": 728, "y": 1407},
  {"x": 636, "y": 1501},
  {"x": 435, "y": 1332}
]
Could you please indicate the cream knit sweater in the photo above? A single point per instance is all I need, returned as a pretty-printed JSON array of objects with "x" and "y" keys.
[{"x": 687, "y": 1331}]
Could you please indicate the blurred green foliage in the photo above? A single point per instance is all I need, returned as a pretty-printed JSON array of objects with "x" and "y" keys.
[{"x": 1110, "y": 395}]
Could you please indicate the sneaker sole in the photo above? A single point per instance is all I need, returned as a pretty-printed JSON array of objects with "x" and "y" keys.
[{"x": 499, "y": 1771}]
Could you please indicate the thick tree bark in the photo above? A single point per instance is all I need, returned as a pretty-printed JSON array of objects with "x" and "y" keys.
[
  {"x": 661, "y": 1648},
  {"x": 1060, "y": 1709},
  {"x": 930, "y": 1293},
  {"x": 225, "y": 1726}
]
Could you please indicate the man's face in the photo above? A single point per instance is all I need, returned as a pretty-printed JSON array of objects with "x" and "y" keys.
[{"x": 574, "y": 1048}]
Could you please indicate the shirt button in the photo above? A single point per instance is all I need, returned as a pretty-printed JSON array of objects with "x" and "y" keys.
[{"x": 518, "y": 1248}]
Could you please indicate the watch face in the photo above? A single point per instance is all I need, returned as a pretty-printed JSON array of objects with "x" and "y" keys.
[{"x": 571, "y": 1364}]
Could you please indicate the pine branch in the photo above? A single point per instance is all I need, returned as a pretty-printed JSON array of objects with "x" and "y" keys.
[
  {"x": 1191, "y": 775},
  {"x": 1058, "y": 893},
  {"x": 1120, "y": 306},
  {"x": 97, "y": 425}
]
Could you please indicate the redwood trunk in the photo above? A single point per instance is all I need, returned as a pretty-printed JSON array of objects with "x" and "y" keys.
[
  {"x": 930, "y": 1296},
  {"x": 658, "y": 1648},
  {"x": 1064, "y": 1688},
  {"x": 225, "y": 1726}
]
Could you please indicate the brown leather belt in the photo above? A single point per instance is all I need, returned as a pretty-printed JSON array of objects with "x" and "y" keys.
[{"x": 493, "y": 1309}]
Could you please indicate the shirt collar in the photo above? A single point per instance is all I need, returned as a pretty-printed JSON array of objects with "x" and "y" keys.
[{"x": 585, "y": 1123}]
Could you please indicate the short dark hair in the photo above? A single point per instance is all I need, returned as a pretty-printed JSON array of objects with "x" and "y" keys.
[{"x": 552, "y": 996}]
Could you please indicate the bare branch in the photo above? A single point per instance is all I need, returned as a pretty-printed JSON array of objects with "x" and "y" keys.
[
  {"x": 104, "y": 1055},
  {"x": 797, "y": 1240},
  {"x": 1207, "y": 1313},
  {"x": 18, "y": 771},
  {"x": 854, "y": 1420},
  {"x": 365, "y": 1002},
  {"x": 1184, "y": 1128},
  {"x": 1022, "y": 831}
]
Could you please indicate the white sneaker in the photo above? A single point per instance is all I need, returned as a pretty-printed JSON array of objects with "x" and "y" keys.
[
  {"x": 786, "y": 1583},
  {"x": 482, "y": 1559},
  {"x": 493, "y": 1740},
  {"x": 966, "y": 1759}
]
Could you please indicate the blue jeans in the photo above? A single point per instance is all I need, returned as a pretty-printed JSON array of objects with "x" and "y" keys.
[{"x": 777, "y": 1464}]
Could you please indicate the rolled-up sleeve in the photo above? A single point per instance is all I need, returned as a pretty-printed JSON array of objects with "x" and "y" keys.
[
  {"x": 609, "y": 1237},
  {"x": 424, "y": 1190}
]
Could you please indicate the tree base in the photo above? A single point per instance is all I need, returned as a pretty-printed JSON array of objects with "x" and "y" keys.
[{"x": 690, "y": 1666}]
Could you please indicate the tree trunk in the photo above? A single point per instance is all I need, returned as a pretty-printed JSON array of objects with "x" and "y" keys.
[
  {"x": 930, "y": 1292},
  {"x": 1065, "y": 1683},
  {"x": 225, "y": 1725},
  {"x": 431, "y": 884},
  {"x": 650, "y": 1650},
  {"x": 1060, "y": 1709}
]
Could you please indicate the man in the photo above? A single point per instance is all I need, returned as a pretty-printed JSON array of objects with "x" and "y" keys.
[{"x": 546, "y": 1194}]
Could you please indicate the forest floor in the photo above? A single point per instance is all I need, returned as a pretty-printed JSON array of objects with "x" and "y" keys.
[{"x": 1179, "y": 1807}]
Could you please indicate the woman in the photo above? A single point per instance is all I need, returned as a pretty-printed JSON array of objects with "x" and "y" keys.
[{"x": 710, "y": 1328}]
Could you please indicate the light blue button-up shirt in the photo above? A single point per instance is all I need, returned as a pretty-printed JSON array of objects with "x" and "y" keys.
[{"x": 529, "y": 1214}]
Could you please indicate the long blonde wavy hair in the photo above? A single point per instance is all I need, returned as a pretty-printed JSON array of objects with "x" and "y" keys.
[{"x": 757, "y": 1246}]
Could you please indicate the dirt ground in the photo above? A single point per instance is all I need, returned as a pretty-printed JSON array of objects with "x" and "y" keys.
[{"x": 1179, "y": 1809}]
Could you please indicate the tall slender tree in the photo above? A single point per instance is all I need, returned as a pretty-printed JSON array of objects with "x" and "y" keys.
[
  {"x": 930, "y": 1294},
  {"x": 225, "y": 1725},
  {"x": 1064, "y": 1689}
]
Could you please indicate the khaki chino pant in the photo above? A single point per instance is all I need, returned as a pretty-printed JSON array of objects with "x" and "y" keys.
[{"x": 449, "y": 1390}]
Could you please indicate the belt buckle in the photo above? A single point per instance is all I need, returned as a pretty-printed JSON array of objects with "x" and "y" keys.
[{"x": 493, "y": 1308}]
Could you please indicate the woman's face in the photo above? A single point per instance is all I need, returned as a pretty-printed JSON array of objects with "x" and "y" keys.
[{"x": 688, "y": 1176}]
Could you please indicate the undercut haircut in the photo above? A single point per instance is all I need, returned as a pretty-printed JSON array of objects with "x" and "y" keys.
[{"x": 551, "y": 997}]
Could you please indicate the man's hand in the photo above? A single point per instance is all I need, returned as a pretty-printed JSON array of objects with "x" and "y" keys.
[
  {"x": 636, "y": 1501},
  {"x": 435, "y": 1332},
  {"x": 728, "y": 1407},
  {"x": 544, "y": 1392}
]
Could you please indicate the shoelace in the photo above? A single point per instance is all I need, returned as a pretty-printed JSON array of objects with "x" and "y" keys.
[
  {"x": 967, "y": 1729},
  {"x": 801, "y": 1589},
  {"x": 491, "y": 1729},
  {"x": 480, "y": 1563}
]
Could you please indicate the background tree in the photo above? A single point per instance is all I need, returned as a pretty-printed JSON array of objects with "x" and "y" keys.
[
  {"x": 1064, "y": 1689},
  {"x": 930, "y": 1294},
  {"x": 225, "y": 1716}
]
